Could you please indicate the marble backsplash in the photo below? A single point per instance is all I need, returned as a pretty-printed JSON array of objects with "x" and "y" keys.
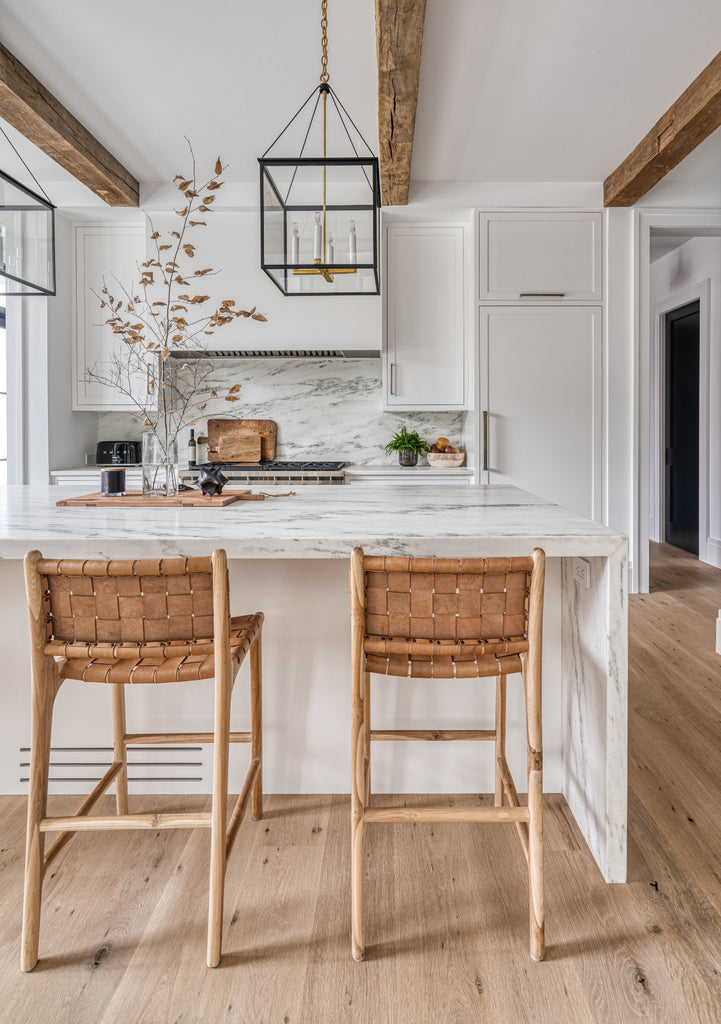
[{"x": 324, "y": 408}]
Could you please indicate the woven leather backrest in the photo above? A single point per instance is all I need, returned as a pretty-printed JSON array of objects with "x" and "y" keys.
[
  {"x": 447, "y": 599},
  {"x": 128, "y": 601}
]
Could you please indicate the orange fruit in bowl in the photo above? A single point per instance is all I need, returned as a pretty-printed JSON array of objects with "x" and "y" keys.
[{"x": 442, "y": 443}]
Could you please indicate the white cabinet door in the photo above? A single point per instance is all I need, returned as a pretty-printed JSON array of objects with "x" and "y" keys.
[
  {"x": 541, "y": 372},
  {"x": 425, "y": 361},
  {"x": 535, "y": 257},
  {"x": 109, "y": 252}
]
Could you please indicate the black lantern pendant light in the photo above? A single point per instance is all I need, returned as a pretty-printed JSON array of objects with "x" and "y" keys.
[
  {"x": 319, "y": 213},
  {"x": 27, "y": 237}
]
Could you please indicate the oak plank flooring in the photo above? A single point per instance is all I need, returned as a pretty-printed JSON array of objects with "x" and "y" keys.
[{"x": 123, "y": 928}]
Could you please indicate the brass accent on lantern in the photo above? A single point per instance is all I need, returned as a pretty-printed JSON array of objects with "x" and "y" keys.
[{"x": 324, "y": 271}]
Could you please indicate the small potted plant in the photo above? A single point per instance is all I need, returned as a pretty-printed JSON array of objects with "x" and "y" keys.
[{"x": 409, "y": 445}]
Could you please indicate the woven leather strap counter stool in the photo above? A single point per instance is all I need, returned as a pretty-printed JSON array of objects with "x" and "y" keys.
[
  {"x": 448, "y": 618},
  {"x": 133, "y": 622}
]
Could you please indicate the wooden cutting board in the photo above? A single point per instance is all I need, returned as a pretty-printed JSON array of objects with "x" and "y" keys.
[
  {"x": 234, "y": 447},
  {"x": 232, "y": 440},
  {"x": 136, "y": 499}
]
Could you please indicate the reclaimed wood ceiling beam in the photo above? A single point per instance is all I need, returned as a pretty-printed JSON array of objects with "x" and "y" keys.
[
  {"x": 27, "y": 105},
  {"x": 399, "y": 36},
  {"x": 686, "y": 123}
]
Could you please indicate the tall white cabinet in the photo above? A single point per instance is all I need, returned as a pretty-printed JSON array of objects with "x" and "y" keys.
[
  {"x": 542, "y": 392},
  {"x": 541, "y": 355}
]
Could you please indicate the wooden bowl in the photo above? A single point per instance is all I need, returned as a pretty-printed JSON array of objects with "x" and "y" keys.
[{"x": 445, "y": 460}]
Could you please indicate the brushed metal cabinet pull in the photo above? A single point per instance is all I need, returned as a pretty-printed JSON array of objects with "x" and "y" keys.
[
  {"x": 542, "y": 295},
  {"x": 393, "y": 378},
  {"x": 485, "y": 440}
]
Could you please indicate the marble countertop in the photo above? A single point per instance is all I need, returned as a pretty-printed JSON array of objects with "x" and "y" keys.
[{"x": 316, "y": 522}]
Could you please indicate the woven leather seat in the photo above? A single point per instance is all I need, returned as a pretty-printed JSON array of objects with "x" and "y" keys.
[
  {"x": 440, "y": 664},
  {"x": 449, "y": 618},
  {"x": 132, "y": 622},
  {"x": 174, "y": 662}
]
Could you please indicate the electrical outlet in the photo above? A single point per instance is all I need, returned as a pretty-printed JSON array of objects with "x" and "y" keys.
[{"x": 582, "y": 572}]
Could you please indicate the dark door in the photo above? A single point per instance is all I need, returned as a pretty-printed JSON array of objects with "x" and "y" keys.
[{"x": 682, "y": 387}]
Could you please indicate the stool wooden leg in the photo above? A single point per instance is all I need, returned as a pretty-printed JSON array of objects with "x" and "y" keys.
[
  {"x": 358, "y": 825},
  {"x": 120, "y": 749},
  {"x": 256, "y": 724},
  {"x": 367, "y": 737},
  {"x": 535, "y": 810},
  {"x": 219, "y": 810},
  {"x": 45, "y": 685},
  {"x": 360, "y": 738},
  {"x": 535, "y": 865},
  {"x": 500, "y": 745}
]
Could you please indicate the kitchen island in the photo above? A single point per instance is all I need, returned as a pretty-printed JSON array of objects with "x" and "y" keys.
[{"x": 289, "y": 558}]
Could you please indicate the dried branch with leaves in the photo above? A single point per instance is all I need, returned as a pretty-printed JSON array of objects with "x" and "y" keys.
[{"x": 161, "y": 316}]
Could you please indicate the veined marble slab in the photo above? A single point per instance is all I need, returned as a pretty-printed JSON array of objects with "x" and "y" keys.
[
  {"x": 325, "y": 408},
  {"x": 316, "y": 522}
]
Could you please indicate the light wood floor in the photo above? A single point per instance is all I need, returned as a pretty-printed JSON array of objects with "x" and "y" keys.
[{"x": 123, "y": 930}]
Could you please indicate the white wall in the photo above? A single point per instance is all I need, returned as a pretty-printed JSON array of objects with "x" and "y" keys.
[
  {"x": 49, "y": 434},
  {"x": 691, "y": 271},
  {"x": 230, "y": 244}
]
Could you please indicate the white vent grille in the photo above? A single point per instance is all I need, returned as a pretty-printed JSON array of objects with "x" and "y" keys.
[
  {"x": 277, "y": 353},
  {"x": 145, "y": 764}
]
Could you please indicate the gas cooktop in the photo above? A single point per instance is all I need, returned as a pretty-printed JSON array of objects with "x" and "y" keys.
[
  {"x": 301, "y": 472},
  {"x": 276, "y": 466}
]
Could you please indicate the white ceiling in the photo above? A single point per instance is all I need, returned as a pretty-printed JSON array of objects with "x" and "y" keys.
[
  {"x": 556, "y": 90},
  {"x": 510, "y": 90},
  {"x": 228, "y": 74}
]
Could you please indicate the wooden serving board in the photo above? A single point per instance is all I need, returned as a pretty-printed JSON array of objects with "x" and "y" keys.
[
  {"x": 237, "y": 448},
  {"x": 231, "y": 435},
  {"x": 136, "y": 499}
]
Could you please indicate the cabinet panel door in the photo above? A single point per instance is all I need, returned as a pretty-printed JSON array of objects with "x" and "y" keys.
[
  {"x": 425, "y": 354},
  {"x": 111, "y": 252},
  {"x": 543, "y": 394},
  {"x": 557, "y": 256}
]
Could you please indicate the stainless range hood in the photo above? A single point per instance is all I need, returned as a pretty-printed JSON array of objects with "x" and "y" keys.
[{"x": 277, "y": 353}]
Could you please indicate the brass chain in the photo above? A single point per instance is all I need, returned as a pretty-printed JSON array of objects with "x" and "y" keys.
[{"x": 324, "y": 41}]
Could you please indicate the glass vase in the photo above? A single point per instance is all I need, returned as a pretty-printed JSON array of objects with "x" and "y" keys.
[{"x": 160, "y": 466}]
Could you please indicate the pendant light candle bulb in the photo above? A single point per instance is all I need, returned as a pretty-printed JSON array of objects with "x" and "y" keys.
[
  {"x": 2, "y": 247},
  {"x": 330, "y": 254},
  {"x": 317, "y": 240},
  {"x": 295, "y": 244},
  {"x": 352, "y": 252}
]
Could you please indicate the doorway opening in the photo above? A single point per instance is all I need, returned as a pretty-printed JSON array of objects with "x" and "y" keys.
[{"x": 681, "y": 421}]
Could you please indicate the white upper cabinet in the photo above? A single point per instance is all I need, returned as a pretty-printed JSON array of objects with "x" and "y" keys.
[
  {"x": 538, "y": 257},
  {"x": 109, "y": 252},
  {"x": 425, "y": 357}
]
